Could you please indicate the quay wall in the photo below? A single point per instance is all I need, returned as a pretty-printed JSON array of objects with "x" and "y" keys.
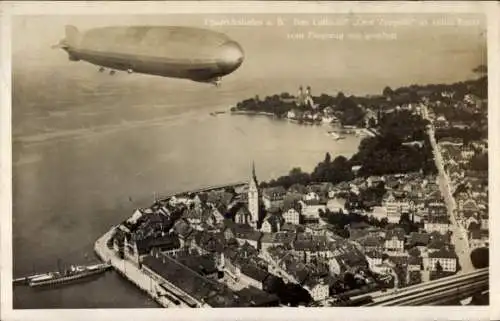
[
  {"x": 130, "y": 271},
  {"x": 207, "y": 189}
]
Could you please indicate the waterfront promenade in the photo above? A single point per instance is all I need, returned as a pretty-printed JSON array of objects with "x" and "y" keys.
[{"x": 131, "y": 272}]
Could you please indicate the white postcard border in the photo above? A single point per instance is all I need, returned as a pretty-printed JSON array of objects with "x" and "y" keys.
[{"x": 7, "y": 9}]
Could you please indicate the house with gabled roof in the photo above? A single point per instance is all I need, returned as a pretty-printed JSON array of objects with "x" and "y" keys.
[
  {"x": 240, "y": 214},
  {"x": 253, "y": 275},
  {"x": 311, "y": 209},
  {"x": 272, "y": 223},
  {"x": 437, "y": 224},
  {"x": 373, "y": 258},
  {"x": 446, "y": 258},
  {"x": 317, "y": 288},
  {"x": 273, "y": 196},
  {"x": 184, "y": 231},
  {"x": 394, "y": 240},
  {"x": 416, "y": 239}
]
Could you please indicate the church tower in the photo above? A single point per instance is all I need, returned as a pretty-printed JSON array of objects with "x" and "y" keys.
[
  {"x": 253, "y": 198},
  {"x": 300, "y": 97},
  {"x": 308, "y": 91}
]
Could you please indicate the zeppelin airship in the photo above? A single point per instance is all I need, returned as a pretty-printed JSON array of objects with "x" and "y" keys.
[{"x": 170, "y": 51}]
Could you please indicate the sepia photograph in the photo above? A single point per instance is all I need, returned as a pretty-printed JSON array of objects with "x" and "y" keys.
[{"x": 239, "y": 159}]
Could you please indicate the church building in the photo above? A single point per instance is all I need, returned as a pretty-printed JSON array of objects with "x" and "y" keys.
[{"x": 253, "y": 198}]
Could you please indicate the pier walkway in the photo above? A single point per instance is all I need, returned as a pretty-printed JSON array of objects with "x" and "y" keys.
[{"x": 134, "y": 273}]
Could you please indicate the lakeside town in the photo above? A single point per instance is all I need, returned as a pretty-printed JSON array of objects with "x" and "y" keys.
[{"x": 411, "y": 206}]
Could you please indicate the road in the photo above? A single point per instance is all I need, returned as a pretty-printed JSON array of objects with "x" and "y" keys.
[{"x": 459, "y": 236}]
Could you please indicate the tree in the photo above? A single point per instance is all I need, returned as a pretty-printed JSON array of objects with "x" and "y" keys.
[
  {"x": 274, "y": 284},
  {"x": 479, "y": 162},
  {"x": 387, "y": 92},
  {"x": 404, "y": 218},
  {"x": 285, "y": 95},
  {"x": 294, "y": 295},
  {"x": 349, "y": 280},
  {"x": 414, "y": 252},
  {"x": 481, "y": 70},
  {"x": 480, "y": 257},
  {"x": 439, "y": 269},
  {"x": 480, "y": 299},
  {"x": 415, "y": 277},
  {"x": 372, "y": 122},
  {"x": 328, "y": 158}
]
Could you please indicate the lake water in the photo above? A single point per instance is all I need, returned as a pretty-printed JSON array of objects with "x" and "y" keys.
[{"x": 87, "y": 150}]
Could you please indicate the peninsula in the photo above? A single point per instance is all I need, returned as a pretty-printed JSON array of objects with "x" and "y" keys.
[{"x": 411, "y": 206}]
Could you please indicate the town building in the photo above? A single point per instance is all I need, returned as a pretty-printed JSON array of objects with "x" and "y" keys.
[
  {"x": 337, "y": 205},
  {"x": 414, "y": 263},
  {"x": 318, "y": 289},
  {"x": 394, "y": 240},
  {"x": 273, "y": 197},
  {"x": 292, "y": 214},
  {"x": 311, "y": 209},
  {"x": 478, "y": 238},
  {"x": 374, "y": 258},
  {"x": 446, "y": 258},
  {"x": 253, "y": 276},
  {"x": 441, "y": 225},
  {"x": 243, "y": 215},
  {"x": 272, "y": 223}
]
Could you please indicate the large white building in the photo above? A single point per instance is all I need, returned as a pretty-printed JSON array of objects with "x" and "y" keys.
[
  {"x": 311, "y": 209},
  {"x": 446, "y": 259},
  {"x": 440, "y": 225},
  {"x": 292, "y": 215},
  {"x": 394, "y": 240},
  {"x": 395, "y": 207},
  {"x": 318, "y": 289}
]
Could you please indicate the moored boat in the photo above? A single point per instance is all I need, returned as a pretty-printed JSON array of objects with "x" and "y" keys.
[{"x": 74, "y": 273}]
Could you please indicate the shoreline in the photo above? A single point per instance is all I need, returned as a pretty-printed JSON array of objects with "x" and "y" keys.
[
  {"x": 136, "y": 275},
  {"x": 128, "y": 270},
  {"x": 255, "y": 113},
  {"x": 349, "y": 129}
]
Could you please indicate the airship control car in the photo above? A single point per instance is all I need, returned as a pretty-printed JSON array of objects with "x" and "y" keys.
[{"x": 179, "y": 52}]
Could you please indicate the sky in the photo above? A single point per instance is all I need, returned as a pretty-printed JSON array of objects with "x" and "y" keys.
[{"x": 446, "y": 49}]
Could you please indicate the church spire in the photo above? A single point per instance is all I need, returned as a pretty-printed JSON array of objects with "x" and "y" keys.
[{"x": 253, "y": 198}]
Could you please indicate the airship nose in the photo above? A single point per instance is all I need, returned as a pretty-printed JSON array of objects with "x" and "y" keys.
[{"x": 230, "y": 56}]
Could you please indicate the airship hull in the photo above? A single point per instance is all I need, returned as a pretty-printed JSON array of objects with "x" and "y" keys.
[
  {"x": 151, "y": 65},
  {"x": 178, "y": 52}
]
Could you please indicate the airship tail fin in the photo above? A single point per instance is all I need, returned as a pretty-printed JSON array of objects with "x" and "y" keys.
[{"x": 72, "y": 36}]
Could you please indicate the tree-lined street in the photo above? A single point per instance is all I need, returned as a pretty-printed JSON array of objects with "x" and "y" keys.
[{"x": 459, "y": 236}]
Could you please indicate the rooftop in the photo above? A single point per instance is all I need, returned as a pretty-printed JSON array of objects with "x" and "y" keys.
[{"x": 195, "y": 285}]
